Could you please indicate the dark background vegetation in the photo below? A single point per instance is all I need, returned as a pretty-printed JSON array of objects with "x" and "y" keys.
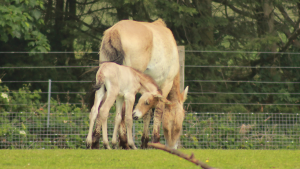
[
  {"x": 71, "y": 31},
  {"x": 205, "y": 25}
]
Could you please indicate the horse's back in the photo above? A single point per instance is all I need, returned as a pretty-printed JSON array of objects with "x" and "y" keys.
[{"x": 147, "y": 47}]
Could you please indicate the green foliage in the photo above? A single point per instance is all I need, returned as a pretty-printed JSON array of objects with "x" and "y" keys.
[
  {"x": 20, "y": 19},
  {"x": 23, "y": 122},
  {"x": 240, "y": 131}
]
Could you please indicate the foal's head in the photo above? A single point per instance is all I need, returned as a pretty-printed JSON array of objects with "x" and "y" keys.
[{"x": 147, "y": 101}]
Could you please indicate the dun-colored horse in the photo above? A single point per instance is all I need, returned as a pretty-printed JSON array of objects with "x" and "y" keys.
[
  {"x": 120, "y": 84},
  {"x": 150, "y": 48}
]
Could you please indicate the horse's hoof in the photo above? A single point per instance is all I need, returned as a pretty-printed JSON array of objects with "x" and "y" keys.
[
  {"x": 107, "y": 147},
  {"x": 114, "y": 146},
  {"x": 133, "y": 147}
]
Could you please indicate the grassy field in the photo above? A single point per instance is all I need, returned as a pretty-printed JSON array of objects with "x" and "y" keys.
[{"x": 223, "y": 159}]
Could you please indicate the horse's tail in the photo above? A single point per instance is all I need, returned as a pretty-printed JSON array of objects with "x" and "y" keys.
[{"x": 111, "y": 47}]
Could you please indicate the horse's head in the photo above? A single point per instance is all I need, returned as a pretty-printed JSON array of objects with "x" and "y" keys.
[{"x": 146, "y": 102}]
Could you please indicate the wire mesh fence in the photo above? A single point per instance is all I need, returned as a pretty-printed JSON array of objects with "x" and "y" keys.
[
  {"x": 26, "y": 130},
  {"x": 25, "y": 121}
]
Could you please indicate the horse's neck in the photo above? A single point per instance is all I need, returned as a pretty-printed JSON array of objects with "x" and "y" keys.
[{"x": 174, "y": 94}]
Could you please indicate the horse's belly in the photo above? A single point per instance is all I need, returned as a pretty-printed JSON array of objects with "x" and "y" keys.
[{"x": 159, "y": 72}]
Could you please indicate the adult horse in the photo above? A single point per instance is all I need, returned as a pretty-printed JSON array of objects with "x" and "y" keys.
[{"x": 152, "y": 49}]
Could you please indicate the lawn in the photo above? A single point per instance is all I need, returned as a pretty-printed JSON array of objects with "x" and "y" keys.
[{"x": 223, "y": 159}]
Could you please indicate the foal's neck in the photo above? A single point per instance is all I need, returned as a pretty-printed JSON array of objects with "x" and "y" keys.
[
  {"x": 146, "y": 82},
  {"x": 147, "y": 87}
]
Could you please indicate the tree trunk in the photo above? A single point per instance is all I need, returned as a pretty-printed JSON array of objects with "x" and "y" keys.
[
  {"x": 204, "y": 8},
  {"x": 58, "y": 27}
]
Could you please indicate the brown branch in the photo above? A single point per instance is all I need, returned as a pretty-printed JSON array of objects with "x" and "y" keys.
[
  {"x": 180, "y": 154},
  {"x": 241, "y": 12},
  {"x": 290, "y": 41},
  {"x": 285, "y": 15}
]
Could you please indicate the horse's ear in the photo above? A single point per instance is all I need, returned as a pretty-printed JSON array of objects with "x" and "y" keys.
[
  {"x": 184, "y": 93},
  {"x": 157, "y": 95},
  {"x": 166, "y": 101}
]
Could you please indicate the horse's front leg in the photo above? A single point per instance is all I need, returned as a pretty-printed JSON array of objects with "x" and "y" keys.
[
  {"x": 159, "y": 109},
  {"x": 146, "y": 122},
  {"x": 129, "y": 101},
  {"x": 157, "y": 121},
  {"x": 118, "y": 118},
  {"x": 122, "y": 131}
]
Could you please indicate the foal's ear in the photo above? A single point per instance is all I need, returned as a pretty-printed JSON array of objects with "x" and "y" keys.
[{"x": 184, "y": 93}]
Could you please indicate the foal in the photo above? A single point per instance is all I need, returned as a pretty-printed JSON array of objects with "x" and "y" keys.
[{"x": 120, "y": 84}]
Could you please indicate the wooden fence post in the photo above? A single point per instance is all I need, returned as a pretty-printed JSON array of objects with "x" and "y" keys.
[{"x": 181, "y": 51}]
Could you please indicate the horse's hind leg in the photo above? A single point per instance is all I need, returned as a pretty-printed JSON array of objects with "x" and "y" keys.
[
  {"x": 96, "y": 135},
  {"x": 146, "y": 121}
]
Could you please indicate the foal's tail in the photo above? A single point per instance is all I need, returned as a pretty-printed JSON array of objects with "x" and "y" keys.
[
  {"x": 111, "y": 47},
  {"x": 95, "y": 87}
]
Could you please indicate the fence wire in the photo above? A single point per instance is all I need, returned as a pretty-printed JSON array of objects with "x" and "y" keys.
[
  {"x": 61, "y": 128},
  {"x": 28, "y": 130}
]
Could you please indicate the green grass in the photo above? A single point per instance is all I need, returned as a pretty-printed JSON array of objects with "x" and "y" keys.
[{"x": 223, "y": 159}]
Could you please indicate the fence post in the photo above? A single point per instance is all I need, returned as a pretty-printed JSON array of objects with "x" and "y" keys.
[
  {"x": 49, "y": 98},
  {"x": 181, "y": 51}
]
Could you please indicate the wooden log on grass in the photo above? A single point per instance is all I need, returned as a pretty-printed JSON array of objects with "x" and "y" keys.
[{"x": 180, "y": 154}]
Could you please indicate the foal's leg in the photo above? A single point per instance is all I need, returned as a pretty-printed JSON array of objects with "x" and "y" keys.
[
  {"x": 98, "y": 98},
  {"x": 129, "y": 100},
  {"x": 146, "y": 121},
  {"x": 118, "y": 118},
  {"x": 96, "y": 134},
  {"x": 104, "y": 112},
  {"x": 97, "y": 131}
]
